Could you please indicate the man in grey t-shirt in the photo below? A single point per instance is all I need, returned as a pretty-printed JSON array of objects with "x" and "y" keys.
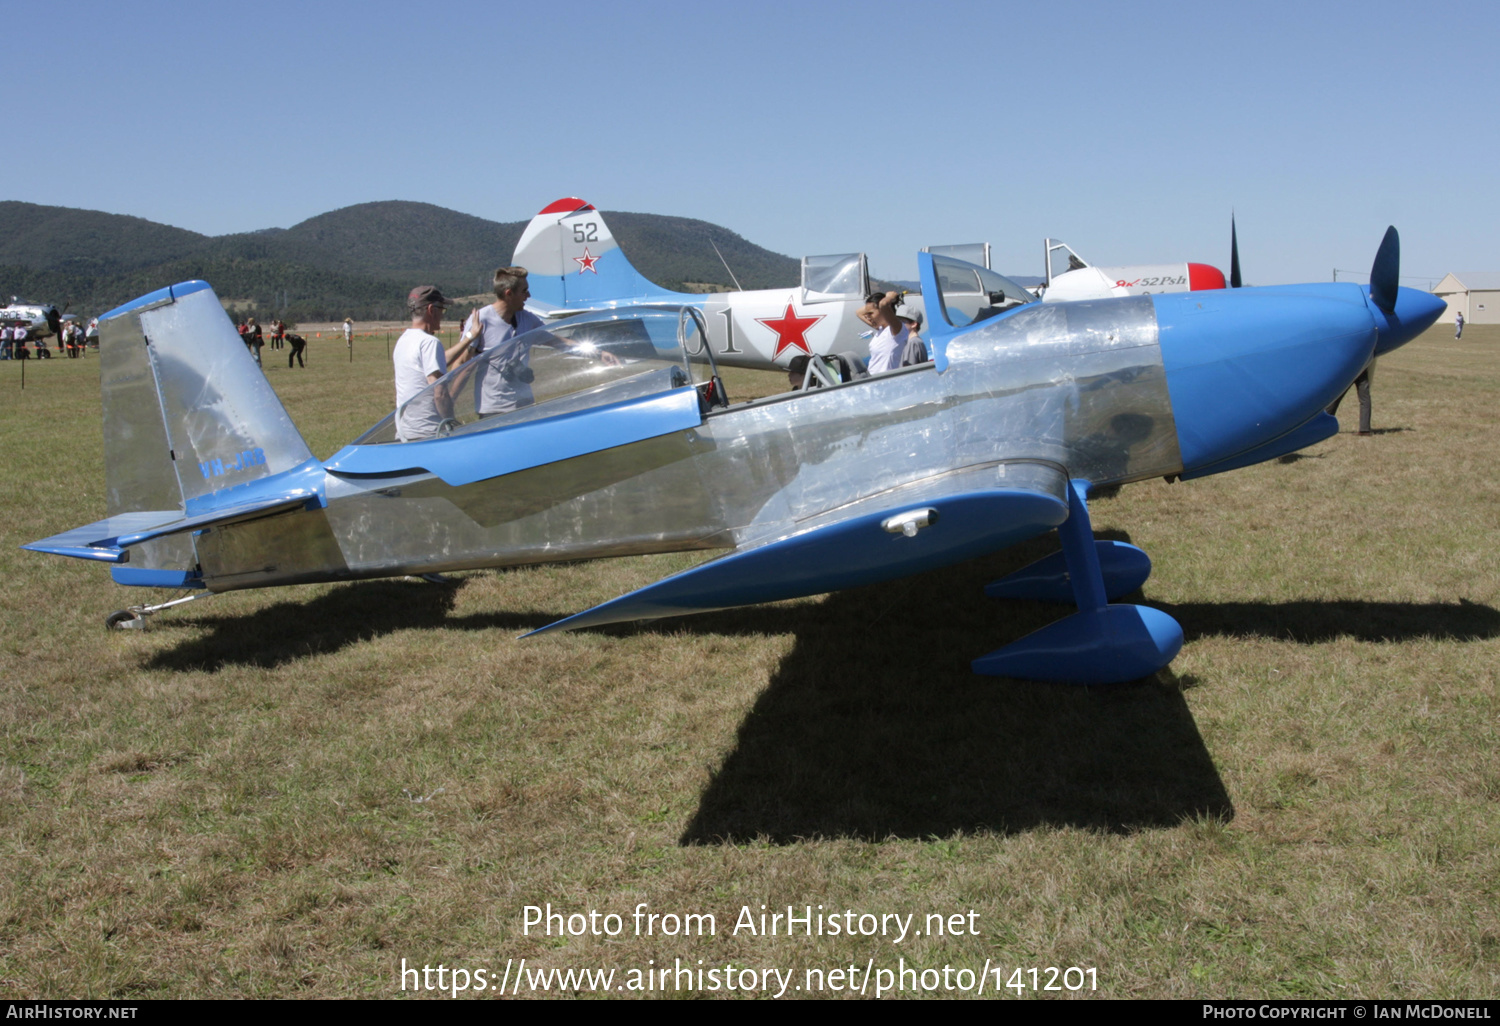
[{"x": 498, "y": 332}]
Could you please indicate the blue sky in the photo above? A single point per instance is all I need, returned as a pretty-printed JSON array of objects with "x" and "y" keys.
[{"x": 1129, "y": 130}]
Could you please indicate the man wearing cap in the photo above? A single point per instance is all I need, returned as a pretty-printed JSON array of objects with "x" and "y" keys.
[{"x": 419, "y": 360}]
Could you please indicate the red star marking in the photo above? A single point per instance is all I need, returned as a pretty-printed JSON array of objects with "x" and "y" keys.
[
  {"x": 587, "y": 262},
  {"x": 791, "y": 330}
]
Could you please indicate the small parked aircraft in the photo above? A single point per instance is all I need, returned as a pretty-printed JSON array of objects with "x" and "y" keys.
[
  {"x": 39, "y": 319},
  {"x": 1070, "y": 278},
  {"x": 576, "y": 265},
  {"x": 629, "y": 445}
]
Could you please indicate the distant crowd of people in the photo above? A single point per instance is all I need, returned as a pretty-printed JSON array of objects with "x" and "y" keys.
[
  {"x": 22, "y": 341},
  {"x": 73, "y": 340},
  {"x": 254, "y": 337}
]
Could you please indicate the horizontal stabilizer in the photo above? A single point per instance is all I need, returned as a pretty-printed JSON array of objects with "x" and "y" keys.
[
  {"x": 921, "y": 526},
  {"x": 107, "y": 539}
]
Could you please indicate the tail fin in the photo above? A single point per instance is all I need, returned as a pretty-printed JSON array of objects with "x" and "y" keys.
[
  {"x": 575, "y": 262},
  {"x": 192, "y": 432}
]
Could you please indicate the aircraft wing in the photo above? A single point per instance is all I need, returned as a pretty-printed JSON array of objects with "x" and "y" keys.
[{"x": 919, "y": 526}]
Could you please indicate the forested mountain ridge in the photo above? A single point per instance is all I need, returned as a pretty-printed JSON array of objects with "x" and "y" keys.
[
  {"x": 357, "y": 261},
  {"x": 87, "y": 241}
]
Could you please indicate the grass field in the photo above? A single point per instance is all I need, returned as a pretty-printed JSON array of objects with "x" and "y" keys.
[{"x": 287, "y": 793}]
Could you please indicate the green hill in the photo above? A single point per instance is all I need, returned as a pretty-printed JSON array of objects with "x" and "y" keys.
[
  {"x": 87, "y": 241},
  {"x": 398, "y": 240},
  {"x": 357, "y": 261}
]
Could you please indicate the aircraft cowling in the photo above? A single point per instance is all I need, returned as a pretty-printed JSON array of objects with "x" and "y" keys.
[
  {"x": 1245, "y": 367},
  {"x": 1415, "y": 311}
]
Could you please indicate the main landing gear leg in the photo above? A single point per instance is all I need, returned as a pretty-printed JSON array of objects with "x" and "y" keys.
[
  {"x": 1101, "y": 643},
  {"x": 134, "y": 618}
]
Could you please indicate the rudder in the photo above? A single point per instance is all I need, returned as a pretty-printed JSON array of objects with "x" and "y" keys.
[
  {"x": 574, "y": 260},
  {"x": 190, "y": 422}
]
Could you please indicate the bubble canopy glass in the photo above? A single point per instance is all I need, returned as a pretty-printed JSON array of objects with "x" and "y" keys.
[
  {"x": 969, "y": 293},
  {"x": 578, "y": 363}
]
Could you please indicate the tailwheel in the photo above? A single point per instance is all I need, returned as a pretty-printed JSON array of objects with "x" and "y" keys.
[
  {"x": 125, "y": 620},
  {"x": 134, "y": 618}
]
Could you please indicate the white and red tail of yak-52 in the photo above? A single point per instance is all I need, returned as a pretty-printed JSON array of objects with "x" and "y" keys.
[
  {"x": 575, "y": 262},
  {"x": 576, "y": 265}
]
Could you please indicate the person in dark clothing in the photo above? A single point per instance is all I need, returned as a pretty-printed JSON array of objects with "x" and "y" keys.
[
  {"x": 298, "y": 343},
  {"x": 254, "y": 336},
  {"x": 1362, "y": 387},
  {"x": 54, "y": 321}
]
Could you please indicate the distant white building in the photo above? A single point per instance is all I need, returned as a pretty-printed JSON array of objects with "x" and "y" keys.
[{"x": 1474, "y": 293}]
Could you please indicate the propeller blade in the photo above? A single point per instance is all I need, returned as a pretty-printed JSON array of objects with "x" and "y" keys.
[
  {"x": 1385, "y": 273},
  {"x": 1234, "y": 256}
]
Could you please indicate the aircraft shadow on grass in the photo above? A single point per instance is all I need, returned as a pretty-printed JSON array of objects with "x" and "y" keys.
[
  {"x": 873, "y": 725},
  {"x": 1312, "y": 622},
  {"x": 288, "y": 632},
  {"x": 882, "y": 751},
  {"x": 884, "y": 733}
]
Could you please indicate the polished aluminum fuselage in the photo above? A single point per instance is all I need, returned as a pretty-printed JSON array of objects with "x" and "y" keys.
[{"x": 1045, "y": 394}]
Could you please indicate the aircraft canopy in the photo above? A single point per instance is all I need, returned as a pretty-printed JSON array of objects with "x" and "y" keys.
[
  {"x": 969, "y": 293},
  {"x": 836, "y": 276},
  {"x": 579, "y": 363}
]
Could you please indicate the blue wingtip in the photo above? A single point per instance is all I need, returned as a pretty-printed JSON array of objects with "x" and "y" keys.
[{"x": 1103, "y": 646}]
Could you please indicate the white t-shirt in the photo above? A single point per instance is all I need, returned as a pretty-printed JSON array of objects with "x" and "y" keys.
[
  {"x": 417, "y": 354},
  {"x": 886, "y": 349}
]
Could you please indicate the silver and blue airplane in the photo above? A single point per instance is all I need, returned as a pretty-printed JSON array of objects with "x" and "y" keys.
[{"x": 618, "y": 439}]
